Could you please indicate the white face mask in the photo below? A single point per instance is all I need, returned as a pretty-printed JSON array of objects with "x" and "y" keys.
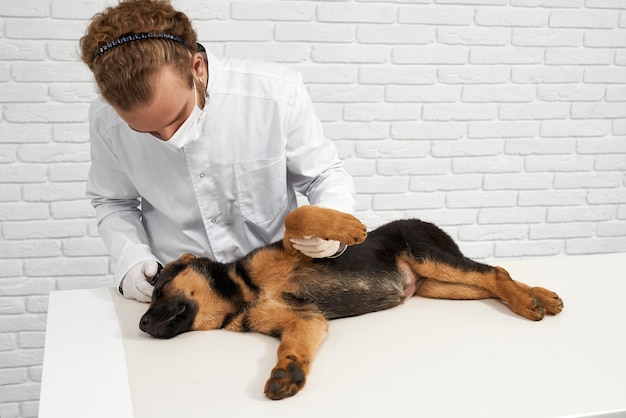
[{"x": 191, "y": 128}]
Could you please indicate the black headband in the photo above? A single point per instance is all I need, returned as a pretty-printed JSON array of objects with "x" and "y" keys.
[{"x": 137, "y": 37}]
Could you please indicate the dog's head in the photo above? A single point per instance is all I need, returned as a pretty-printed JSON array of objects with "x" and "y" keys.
[{"x": 188, "y": 296}]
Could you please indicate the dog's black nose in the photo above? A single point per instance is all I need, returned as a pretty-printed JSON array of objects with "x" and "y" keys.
[{"x": 144, "y": 322}]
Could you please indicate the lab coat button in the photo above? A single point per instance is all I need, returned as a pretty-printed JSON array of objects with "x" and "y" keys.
[
  {"x": 213, "y": 220},
  {"x": 201, "y": 175}
]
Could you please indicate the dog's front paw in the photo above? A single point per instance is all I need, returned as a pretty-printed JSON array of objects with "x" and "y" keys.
[{"x": 286, "y": 379}]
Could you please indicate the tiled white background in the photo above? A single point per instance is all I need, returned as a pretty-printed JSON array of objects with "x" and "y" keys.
[{"x": 504, "y": 121}]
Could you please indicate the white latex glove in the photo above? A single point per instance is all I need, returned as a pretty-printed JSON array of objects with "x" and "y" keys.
[
  {"x": 136, "y": 283},
  {"x": 315, "y": 247}
]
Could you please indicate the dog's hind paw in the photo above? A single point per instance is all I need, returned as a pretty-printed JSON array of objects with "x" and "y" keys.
[
  {"x": 550, "y": 300},
  {"x": 286, "y": 380}
]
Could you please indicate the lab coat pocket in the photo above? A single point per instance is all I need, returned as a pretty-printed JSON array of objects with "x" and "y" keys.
[{"x": 261, "y": 188}]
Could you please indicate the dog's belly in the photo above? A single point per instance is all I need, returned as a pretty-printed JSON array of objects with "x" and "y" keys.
[{"x": 343, "y": 294}]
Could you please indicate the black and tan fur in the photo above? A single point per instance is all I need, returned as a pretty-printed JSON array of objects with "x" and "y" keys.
[{"x": 275, "y": 290}]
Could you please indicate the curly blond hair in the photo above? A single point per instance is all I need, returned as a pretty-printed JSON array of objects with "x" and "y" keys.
[{"x": 123, "y": 73}]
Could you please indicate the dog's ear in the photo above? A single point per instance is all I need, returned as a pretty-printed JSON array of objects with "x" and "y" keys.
[{"x": 187, "y": 258}]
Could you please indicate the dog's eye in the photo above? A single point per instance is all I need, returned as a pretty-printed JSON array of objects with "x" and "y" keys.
[{"x": 192, "y": 293}]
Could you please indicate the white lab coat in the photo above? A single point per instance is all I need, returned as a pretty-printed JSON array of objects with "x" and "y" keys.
[{"x": 226, "y": 193}]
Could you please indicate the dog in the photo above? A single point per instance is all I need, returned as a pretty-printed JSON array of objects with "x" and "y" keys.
[{"x": 278, "y": 291}]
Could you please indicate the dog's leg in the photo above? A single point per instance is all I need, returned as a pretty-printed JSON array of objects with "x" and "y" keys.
[
  {"x": 494, "y": 281},
  {"x": 300, "y": 335},
  {"x": 430, "y": 288},
  {"x": 323, "y": 223}
]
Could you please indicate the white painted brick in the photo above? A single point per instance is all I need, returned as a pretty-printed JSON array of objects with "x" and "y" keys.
[
  {"x": 473, "y": 75},
  {"x": 411, "y": 167},
  {"x": 329, "y": 112},
  {"x": 423, "y": 94},
  {"x": 353, "y": 130},
  {"x": 386, "y": 74},
  {"x": 445, "y": 182},
  {"x": 29, "y": 248},
  {"x": 459, "y": 112},
  {"x": 605, "y": 38},
  {"x": 606, "y": 196},
  {"x": 12, "y": 306},
  {"x": 392, "y": 149},
  {"x": 351, "y": 93},
  {"x": 547, "y": 37},
  {"x": 365, "y": 112},
  {"x": 580, "y": 214},
  {"x": 610, "y": 163},
  {"x": 476, "y": 36},
  {"x": 558, "y": 163},
  {"x": 18, "y": 173},
  {"x": 82, "y": 247},
  {"x": 428, "y": 130},
  {"x": 22, "y": 92},
  {"x": 493, "y": 233},
  {"x": 54, "y": 153},
  {"x": 62, "y": 9},
  {"x": 571, "y": 128},
  {"x": 505, "y": 55},
  {"x": 539, "y": 146},
  {"x": 70, "y": 172},
  {"x": 392, "y": 34},
  {"x": 511, "y": 17},
  {"x": 50, "y": 71},
  {"x": 27, "y": 8},
  {"x": 611, "y": 229},
  {"x": 51, "y": 192},
  {"x": 347, "y": 12},
  {"x": 13, "y": 376},
  {"x": 71, "y": 209},
  {"x": 578, "y": 56},
  {"x": 498, "y": 93},
  {"x": 619, "y": 127},
  {"x": 429, "y": 54},
  {"x": 62, "y": 50},
  {"x": 10, "y": 192},
  {"x": 604, "y": 75},
  {"x": 462, "y": 16},
  {"x": 595, "y": 245},
  {"x": 548, "y": 3},
  {"x": 320, "y": 32},
  {"x": 615, "y": 93},
  {"x": 26, "y": 322},
  {"x": 541, "y": 74},
  {"x": 43, "y": 229},
  {"x": 534, "y": 111},
  {"x": 466, "y": 148},
  {"x": 228, "y": 31},
  {"x": 274, "y": 10},
  {"x": 616, "y": 145},
  {"x": 445, "y": 217},
  {"x": 24, "y": 211},
  {"x": 81, "y": 266},
  {"x": 561, "y": 231},
  {"x": 551, "y": 198},
  {"x": 360, "y": 167},
  {"x": 509, "y": 129},
  {"x": 382, "y": 184},
  {"x": 72, "y": 93},
  {"x": 10, "y": 268},
  {"x": 23, "y": 134},
  {"x": 569, "y": 93},
  {"x": 583, "y": 19},
  {"x": 518, "y": 181},
  {"x": 598, "y": 110},
  {"x": 494, "y": 164},
  {"x": 37, "y": 304},
  {"x": 408, "y": 201},
  {"x": 352, "y": 54},
  {"x": 515, "y": 215},
  {"x": 498, "y": 199},
  {"x": 528, "y": 248},
  {"x": 46, "y": 112},
  {"x": 21, "y": 392},
  {"x": 8, "y": 342}
]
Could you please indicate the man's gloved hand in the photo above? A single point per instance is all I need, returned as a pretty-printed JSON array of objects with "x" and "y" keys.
[
  {"x": 316, "y": 247},
  {"x": 136, "y": 283}
]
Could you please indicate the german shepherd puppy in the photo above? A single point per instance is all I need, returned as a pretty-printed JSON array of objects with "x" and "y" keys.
[{"x": 278, "y": 291}]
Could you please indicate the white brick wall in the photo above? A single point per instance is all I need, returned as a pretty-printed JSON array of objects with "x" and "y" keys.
[{"x": 504, "y": 121}]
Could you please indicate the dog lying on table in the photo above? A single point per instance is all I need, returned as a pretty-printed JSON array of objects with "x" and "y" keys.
[{"x": 278, "y": 291}]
